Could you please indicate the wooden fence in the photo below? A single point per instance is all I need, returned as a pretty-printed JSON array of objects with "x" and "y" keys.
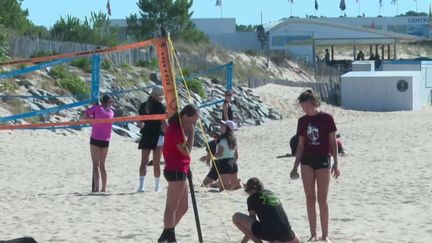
[
  {"x": 329, "y": 91},
  {"x": 24, "y": 47}
]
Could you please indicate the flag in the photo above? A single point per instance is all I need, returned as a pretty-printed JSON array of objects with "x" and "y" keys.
[
  {"x": 291, "y": 1},
  {"x": 373, "y": 25},
  {"x": 342, "y": 5},
  {"x": 380, "y": 3},
  {"x": 430, "y": 16},
  {"x": 219, "y": 3},
  {"x": 393, "y": 1},
  {"x": 108, "y": 6},
  {"x": 316, "y": 4}
]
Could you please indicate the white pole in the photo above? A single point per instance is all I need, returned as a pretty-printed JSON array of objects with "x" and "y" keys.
[
  {"x": 359, "y": 7},
  {"x": 291, "y": 9}
]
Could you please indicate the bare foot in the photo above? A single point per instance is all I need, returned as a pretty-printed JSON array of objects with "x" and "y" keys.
[
  {"x": 313, "y": 238},
  {"x": 325, "y": 239}
]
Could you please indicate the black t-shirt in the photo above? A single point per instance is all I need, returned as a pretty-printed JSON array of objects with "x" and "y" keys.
[
  {"x": 152, "y": 127},
  {"x": 230, "y": 112},
  {"x": 269, "y": 210}
]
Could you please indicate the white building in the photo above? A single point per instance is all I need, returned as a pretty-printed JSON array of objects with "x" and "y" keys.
[
  {"x": 300, "y": 37},
  {"x": 412, "y": 25},
  {"x": 402, "y": 85}
]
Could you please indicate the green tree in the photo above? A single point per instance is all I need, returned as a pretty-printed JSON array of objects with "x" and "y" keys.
[
  {"x": 413, "y": 14},
  {"x": 173, "y": 16},
  {"x": 4, "y": 46},
  {"x": 13, "y": 16},
  {"x": 93, "y": 30},
  {"x": 246, "y": 28}
]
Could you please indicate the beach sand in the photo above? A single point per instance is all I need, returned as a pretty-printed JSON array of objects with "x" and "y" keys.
[{"x": 384, "y": 193}]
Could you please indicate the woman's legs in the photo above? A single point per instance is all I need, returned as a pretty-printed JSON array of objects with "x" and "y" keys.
[
  {"x": 244, "y": 224},
  {"x": 95, "y": 156},
  {"x": 235, "y": 182},
  {"x": 207, "y": 181},
  {"x": 176, "y": 207},
  {"x": 175, "y": 202},
  {"x": 145, "y": 153},
  {"x": 182, "y": 206},
  {"x": 308, "y": 177},
  {"x": 157, "y": 154},
  {"x": 323, "y": 183},
  {"x": 102, "y": 158}
]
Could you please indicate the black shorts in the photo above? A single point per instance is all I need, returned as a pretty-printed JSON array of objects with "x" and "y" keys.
[
  {"x": 99, "y": 143},
  {"x": 224, "y": 166},
  {"x": 171, "y": 175},
  {"x": 149, "y": 141},
  {"x": 272, "y": 233},
  {"x": 317, "y": 162}
]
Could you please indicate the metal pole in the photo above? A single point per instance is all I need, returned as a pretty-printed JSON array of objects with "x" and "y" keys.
[{"x": 195, "y": 208}]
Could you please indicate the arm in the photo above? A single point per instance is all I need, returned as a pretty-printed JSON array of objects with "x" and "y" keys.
[
  {"x": 334, "y": 150},
  {"x": 189, "y": 133},
  {"x": 236, "y": 154},
  {"x": 219, "y": 151},
  {"x": 89, "y": 113},
  {"x": 299, "y": 153},
  {"x": 182, "y": 147}
]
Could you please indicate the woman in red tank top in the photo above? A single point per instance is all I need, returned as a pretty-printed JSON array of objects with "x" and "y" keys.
[{"x": 179, "y": 137}]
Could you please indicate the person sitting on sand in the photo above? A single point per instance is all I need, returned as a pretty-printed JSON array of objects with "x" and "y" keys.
[
  {"x": 212, "y": 146},
  {"x": 341, "y": 148},
  {"x": 272, "y": 224},
  {"x": 293, "y": 146},
  {"x": 99, "y": 140},
  {"x": 226, "y": 160}
]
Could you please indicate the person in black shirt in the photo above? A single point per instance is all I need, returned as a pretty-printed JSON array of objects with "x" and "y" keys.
[
  {"x": 227, "y": 113},
  {"x": 151, "y": 137},
  {"x": 273, "y": 224}
]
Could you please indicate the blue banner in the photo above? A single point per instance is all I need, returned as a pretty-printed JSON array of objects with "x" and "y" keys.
[
  {"x": 229, "y": 76},
  {"x": 46, "y": 111},
  {"x": 96, "y": 64},
  {"x": 34, "y": 68}
]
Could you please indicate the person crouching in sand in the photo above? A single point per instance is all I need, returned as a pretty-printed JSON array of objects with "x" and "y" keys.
[
  {"x": 226, "y": 160},
  {"x": 273, "y": 224}
]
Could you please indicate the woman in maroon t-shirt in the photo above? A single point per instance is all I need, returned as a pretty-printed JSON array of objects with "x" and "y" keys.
[
  {"x": 179, "y": 137},
  {"x": 317, "y": 136}
]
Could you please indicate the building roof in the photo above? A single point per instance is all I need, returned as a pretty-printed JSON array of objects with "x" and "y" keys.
[
  {"x": 383, "y": 34},
  {"x": 362, "y": 74}
]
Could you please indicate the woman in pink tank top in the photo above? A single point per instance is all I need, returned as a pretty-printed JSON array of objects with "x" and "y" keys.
[{"x": 99, "y": 140}]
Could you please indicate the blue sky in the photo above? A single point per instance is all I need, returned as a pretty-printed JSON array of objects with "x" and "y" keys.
[{"x": 46, "y": 12}]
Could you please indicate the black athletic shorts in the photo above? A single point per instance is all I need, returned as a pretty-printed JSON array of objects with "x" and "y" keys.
[
  {"x": 272, "y": 233},
  {"x": 99, "y": 143},
  {"x": 317, "y": 162},
  {"x": 171, "y": 175},
  {"x": 149, "y": 141},
  {"x": 224, "y": 166}
]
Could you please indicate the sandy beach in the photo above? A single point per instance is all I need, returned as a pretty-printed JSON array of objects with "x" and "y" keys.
[{"x": 384, "y": 193}]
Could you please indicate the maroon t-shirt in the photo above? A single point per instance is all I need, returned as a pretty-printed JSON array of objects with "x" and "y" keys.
[{"x": 316, "y": 130}]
